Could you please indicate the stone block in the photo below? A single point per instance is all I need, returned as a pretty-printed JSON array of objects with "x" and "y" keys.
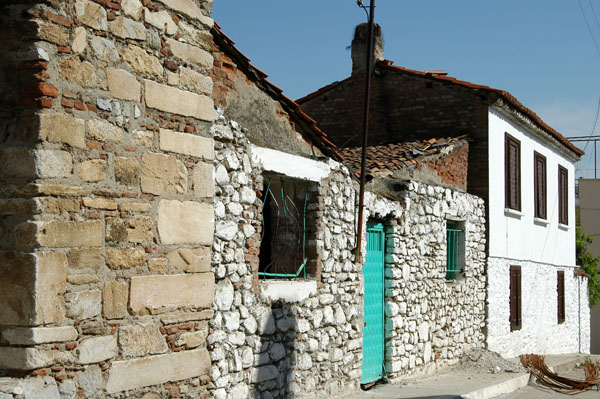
[
  {"x": 24, "y": 358},
  {"x": 135, "y": 206},
  {"x": 83, "y": 305},
  {"x": 95, "y": 350},
  {"x": 79, "y": 72},
  {"x": 52, "y": 163},
  {"x": 85, "y": 258},
  {"x": 18, "y": 206},
  {"x": 163, "y": 174},
  {"x": 117, "y": 258},
  {"x": 93, "y": 170},
  {"x": 79, "y": 40},
  {"x": 141, "y": 61},
  {"x": 170, "y": 99},
  {"x": 188, "y": 8},
  {"x": 139, "y": 229},
  {"x": 193, "y": 339},
  {"x": 61, "y": 233},
  {"x": 153, "y": 370},
  {"x": 132, "y": 8},
  {"x": 158, "y": 265},
  {"x": 190, "y": 260},
  {"x": 141, "y": 340},
  {"x": 32, "y": 288},
  {"x": 101, "y": 130},
  {"x": 16, "y": 163},
  {"x": 154, "y": 294},
  {"x": 123, "y": 85},
  {"x": 39, "y": 388},
  {"x": 193, "y": 80},
  {"x": 82, "y": 279},
  {"x": 161, "y": 20},
  {"x": 187, "y": 316},
  {"x": 142, "y": 138},
  {"x": 191, "y": 54},
  {"x": 56, "y": 205},
  {"x": 90, "y": 381},
  {"x": 187, "y": 144},
  {"x": 127, "y": 171},
  {"x": 127, "y": 28},
  {"x": 62, "y": 128},
  {"x": 91, "y": 14},
  {"x": 204, "y": 183},
  {"x": 52, "y": 33},
  {"x": 114, "y": 299},
  {"x": 104, "y": 49},
  {"x": 185, "y": 222},
  {"x": 39, "y": 335},
  {"x": 100, "y": 203}
]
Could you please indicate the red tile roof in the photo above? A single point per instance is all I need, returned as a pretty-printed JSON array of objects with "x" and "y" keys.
[
  {"x": 435, "y": 75},
  {"x": 317, "y": 136},
  {"x": 387, "y": 158}
]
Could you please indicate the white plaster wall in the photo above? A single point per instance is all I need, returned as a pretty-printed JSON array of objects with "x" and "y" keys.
[
  {"x": 540, "y": 332},
  {"x": 518, "y": 236}
]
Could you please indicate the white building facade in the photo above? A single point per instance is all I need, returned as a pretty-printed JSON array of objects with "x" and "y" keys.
[{"x": 536, "y": 301}]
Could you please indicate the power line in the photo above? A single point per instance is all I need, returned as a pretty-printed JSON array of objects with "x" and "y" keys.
[
  {"x": 594, "y": 11},
  {"x": 588, "y": 27}
]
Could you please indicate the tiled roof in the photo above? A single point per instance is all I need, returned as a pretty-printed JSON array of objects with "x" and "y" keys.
[
  {"x": 388, "y": 158},
  {"x": 506, "y": 96},
  {"x": 317, "y": 136}
]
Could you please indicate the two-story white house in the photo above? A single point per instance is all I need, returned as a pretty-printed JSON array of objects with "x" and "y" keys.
[{"x": 519, "y": 165}]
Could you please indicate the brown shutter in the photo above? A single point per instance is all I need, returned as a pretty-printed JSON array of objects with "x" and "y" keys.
[
  {"x": 540, "y": 185},
  {"x": 563, "y": 195},
  {"x": 515, "y": 298},
  {"x": 512, "y": 172},
  {"x": 561, "y": 296}
]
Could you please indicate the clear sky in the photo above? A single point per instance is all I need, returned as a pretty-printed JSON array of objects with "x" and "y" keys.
[{"x": 539, "y": 50}]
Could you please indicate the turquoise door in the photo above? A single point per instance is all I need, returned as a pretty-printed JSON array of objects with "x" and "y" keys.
[{"x": 373, "y": 333}]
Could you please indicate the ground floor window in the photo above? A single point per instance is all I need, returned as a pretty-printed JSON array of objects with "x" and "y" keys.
[
  {"x": 515, "y": 298},
  {"x": 561, "y": 296},
  {"x": 455, "y": 249},
  {"x": 289, "y": 227}
]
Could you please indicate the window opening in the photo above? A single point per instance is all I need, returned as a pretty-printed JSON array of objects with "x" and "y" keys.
[
  {"x": 515, "y": 298},
  {"x": 563, "y": 195},
  {"x": 512, "y": 173},
  {"x": 561, "y": 296},
  {"x": 286, "y": 232},
  {"x": 540, "y": 185},
  {"x": 455, "y": 246}
]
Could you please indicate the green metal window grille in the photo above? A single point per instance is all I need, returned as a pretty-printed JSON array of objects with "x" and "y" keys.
[
  {"x": 288, "y": 235},
  {"x": 453, "y": 235}
]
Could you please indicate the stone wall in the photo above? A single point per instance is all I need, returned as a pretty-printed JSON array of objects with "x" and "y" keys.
[
  {"x": 430, "y": 321},
  {"x": 106, "y": 208},
  {"x": 277, "y": 338},
  {"x": 540, "y": 331}
]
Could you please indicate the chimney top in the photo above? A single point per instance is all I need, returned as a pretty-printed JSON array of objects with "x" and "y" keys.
[{"x": 359, "y": 47}]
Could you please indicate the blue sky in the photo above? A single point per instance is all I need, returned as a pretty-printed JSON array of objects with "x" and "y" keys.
[{"x": 538, "y": 50}]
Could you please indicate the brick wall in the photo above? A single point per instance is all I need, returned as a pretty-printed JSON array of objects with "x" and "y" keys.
[
  {"x": 403, "y": 108},
  {"x": 450, "y": 167}
]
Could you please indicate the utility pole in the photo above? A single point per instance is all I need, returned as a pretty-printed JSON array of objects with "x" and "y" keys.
[{"x": 365, "y": 130}]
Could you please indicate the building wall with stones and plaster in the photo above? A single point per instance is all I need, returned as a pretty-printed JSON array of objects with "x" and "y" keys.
[
  {"x": 106, "y": 208},
  {"x": 431, "y": 321}
]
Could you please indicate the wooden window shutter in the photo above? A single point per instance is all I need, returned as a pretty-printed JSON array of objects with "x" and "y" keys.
[
  {"x": 540, "y": 185},
  {"x": 515, "y": 298},
  {"x": 563, "y": 195},
  {"x": 512, "y": 172},
  {"x": 561, "y": 296}
]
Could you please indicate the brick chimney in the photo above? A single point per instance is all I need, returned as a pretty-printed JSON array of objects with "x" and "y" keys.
[{"x": 359, "y": 47}]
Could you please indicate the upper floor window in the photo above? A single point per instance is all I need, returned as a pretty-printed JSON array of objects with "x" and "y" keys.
[
  {"x": 539, "y": 185},
  {"x": 563, "y": 195},
  {"x": 512, "y": 172}
]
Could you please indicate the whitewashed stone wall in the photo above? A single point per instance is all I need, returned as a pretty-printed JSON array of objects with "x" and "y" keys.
[
  {"x": 540, "y": 331},
  {"x": 262, "y": 347},
  {"x": 430, "y": 321}
]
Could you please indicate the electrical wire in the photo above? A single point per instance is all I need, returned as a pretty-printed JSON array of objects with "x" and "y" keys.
[
  {"x": 588, "y": 27},
  {"x": 594, "y": 11}
]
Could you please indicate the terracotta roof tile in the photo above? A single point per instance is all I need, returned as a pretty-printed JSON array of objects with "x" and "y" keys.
[{"x": 387, "y": 158}]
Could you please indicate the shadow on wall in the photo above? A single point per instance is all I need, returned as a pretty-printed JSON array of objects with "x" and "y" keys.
[{"x": 273, "y": 375}]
